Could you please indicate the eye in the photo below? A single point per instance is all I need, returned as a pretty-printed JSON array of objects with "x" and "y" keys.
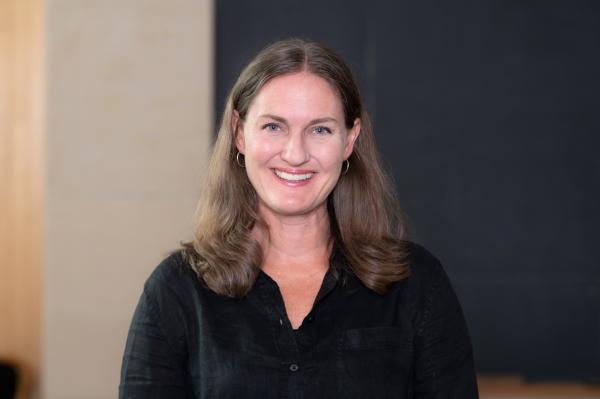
[
  {"x": 322, "y": 130},
  {"x": 272, "y": 127}
]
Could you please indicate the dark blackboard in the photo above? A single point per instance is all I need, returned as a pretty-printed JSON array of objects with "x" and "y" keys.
[{"x": 488, "y": 115}]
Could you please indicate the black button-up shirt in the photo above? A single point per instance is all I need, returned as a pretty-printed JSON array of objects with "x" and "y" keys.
[{"x": 185, "y": 341}]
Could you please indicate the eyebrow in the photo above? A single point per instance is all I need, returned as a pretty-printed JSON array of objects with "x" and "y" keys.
[{"x": 312, "y": 122}]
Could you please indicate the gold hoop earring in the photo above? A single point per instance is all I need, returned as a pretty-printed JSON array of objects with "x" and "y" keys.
[
  {"x": 237, "y": 160},
  {"x": 347, "y": 166}
]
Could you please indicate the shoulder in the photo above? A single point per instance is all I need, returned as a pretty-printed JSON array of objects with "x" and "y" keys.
[
  {"x": 422, "y": 263},
  {"x": 427, "y": 275},
  {"x": 172, "y": 280},
  {"x": 171, "y": 270}
]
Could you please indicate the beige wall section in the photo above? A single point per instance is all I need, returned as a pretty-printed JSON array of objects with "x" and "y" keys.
[
  {"x": 21, "y": 181},
  {"x": 129, "y": 125}
]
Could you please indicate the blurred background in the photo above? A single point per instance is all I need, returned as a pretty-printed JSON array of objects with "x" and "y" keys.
[{"x": 486, "y": 113}]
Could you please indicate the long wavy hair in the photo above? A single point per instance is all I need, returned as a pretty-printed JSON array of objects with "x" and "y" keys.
[{"x": 365, "y": 218}]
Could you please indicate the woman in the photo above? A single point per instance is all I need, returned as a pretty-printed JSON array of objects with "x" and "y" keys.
[{"x": 297, "y": 283}]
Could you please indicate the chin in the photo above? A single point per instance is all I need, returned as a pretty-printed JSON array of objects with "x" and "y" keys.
[
  {"x": 292, "y": 211},
  {"x": 289, "y": 209}
]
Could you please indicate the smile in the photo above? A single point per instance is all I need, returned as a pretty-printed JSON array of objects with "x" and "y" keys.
[{"x": 293, "y": 177}]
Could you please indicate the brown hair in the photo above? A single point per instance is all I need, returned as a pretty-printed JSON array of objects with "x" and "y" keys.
[{"x": 365, "y": 218}]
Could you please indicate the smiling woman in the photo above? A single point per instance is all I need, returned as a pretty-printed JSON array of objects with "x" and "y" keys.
[{"x": 298, "y": 282}]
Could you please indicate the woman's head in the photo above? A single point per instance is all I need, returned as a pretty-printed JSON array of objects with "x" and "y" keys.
[
  {"x": 294, "y": 141},
  {"x": 360, "y": 204},
  {"x": 284, "y": 59},
  {"x": 280, "y": 61}
]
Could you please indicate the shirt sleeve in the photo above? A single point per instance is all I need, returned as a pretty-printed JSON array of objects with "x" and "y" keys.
[
  {"x": 154, "y": 362},
  {"x": 444, "y": 366}
]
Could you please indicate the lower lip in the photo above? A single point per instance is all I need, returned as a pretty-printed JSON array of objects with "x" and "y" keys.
[{"x": 293, "y": 183}]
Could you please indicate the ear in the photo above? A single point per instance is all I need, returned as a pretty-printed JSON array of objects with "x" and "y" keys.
[
  {"x": 351, "y": 138},
  {"x": 237, "y": 127}
]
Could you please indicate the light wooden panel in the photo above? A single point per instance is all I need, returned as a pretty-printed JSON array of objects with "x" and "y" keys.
[
  {"x": 514, "y": 386},
  {"x": 21, "y": 182}
]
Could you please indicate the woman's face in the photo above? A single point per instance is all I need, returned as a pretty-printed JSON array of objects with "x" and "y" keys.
[{"x": 294, "y": 141}]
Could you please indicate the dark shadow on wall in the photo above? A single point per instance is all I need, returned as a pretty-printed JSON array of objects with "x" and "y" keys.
[{"x": 487, "y": 113}]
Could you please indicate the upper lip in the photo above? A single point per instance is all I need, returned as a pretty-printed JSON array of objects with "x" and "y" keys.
[{"x": 294, "y": 171}]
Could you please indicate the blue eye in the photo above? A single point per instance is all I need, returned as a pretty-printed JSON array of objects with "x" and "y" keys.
[
  {"x": 273, "y": 127},
  {"x": 322, "y": 130}
]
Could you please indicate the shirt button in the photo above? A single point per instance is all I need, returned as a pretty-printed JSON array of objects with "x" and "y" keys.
[{"x": 294, "y": 367}]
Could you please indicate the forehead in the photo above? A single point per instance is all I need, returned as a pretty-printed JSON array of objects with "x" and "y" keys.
[{"x": 298, "y": 94}]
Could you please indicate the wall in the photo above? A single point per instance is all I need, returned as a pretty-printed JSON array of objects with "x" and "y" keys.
[
  {"x": 128, "y": 131},
  {"x": 21, "y": 178},
  {"x": 487, "y": 115}
]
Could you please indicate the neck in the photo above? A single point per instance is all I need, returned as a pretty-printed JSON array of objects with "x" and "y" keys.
[{"x": 299, "y": 242}]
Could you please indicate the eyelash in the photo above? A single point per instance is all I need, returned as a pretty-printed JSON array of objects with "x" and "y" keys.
[
  {"x": 325, "y": 129},
  {"x": 272, "y": 127},
  {"x": 275, "y": 127}
]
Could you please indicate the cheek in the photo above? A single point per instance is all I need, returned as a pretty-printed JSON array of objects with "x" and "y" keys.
[
  {"x": 330, "y": 155},
  {"x": 260, "y": 150}
]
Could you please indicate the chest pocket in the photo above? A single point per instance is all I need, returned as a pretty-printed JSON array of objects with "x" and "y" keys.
[{"x": 374, "y": 362}]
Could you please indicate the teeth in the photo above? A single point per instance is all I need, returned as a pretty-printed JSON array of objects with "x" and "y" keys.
[{"x": 293, "y": 177}]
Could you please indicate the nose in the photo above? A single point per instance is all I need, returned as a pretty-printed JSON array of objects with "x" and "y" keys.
[{"x": 295, "y": 151}]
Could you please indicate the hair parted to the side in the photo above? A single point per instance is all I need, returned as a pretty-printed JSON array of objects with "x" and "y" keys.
[{"x": 365, "y": 218}]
